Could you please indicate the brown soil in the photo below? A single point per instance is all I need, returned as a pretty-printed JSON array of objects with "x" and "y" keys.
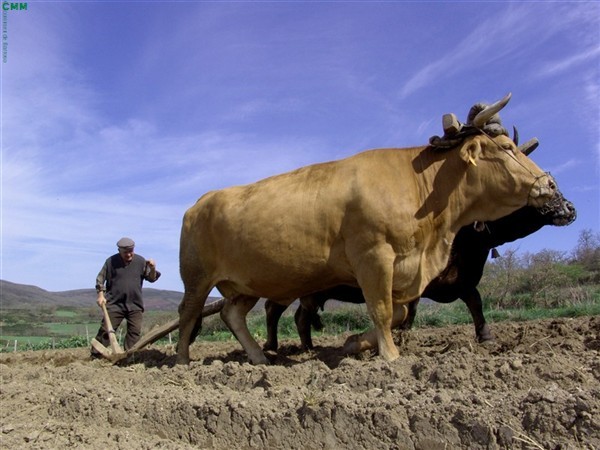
[{"x": 536, "y": 387}]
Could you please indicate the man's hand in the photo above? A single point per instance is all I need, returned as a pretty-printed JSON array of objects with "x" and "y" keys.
[
  {"x": 101, "y": 300},
  {"x": 151, "y": 274}
]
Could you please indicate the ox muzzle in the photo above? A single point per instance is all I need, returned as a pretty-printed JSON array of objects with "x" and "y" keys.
[
  {"x": 560, "y": 210},
  {"x": 542, "y": 190}
]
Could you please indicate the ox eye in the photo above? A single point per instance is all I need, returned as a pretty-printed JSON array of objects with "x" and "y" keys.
[{"x": 508, "y": 148}]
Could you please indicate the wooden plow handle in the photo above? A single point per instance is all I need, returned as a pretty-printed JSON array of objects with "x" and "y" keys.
[{"x": 114, "y": 343}]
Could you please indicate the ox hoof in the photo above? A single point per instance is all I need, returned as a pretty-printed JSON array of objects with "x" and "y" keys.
[
  {"x": 182, "y": 360},
  {"x": 484, "y": 334},
  {"x": 260, "y": 362},
  {"x": 488, "y": 342},
  {"x": 392, "y": 356},
  {"x": 268, "y": 347},
  {"x": 259, "y": 359},
  {"x": 352, "y": 345}
]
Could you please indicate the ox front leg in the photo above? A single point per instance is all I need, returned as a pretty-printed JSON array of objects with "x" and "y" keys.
[
  {"x": 234, "y": 315},
  {"x": 473, "y": 302},
  {"x": 375, "y": 277},
  {"x": 412, "y": 313},
  {"x": 381, "y": 314}
]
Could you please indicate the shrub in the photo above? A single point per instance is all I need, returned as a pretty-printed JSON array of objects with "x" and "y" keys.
[{"x": 73, "y": 342}]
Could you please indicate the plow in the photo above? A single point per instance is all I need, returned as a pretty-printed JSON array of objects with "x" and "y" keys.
[{"x": 115, "y": 353}]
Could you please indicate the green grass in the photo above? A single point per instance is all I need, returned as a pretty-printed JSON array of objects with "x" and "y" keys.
[
  {"x": 590, "y": 309},
  {"x": 22, "y": 340},
  {"x": 40, "y": 343},
  {"x": 67, "y": 313},
  {"x": 7, "y": 343},
  {"x": 72, "y": 329}
]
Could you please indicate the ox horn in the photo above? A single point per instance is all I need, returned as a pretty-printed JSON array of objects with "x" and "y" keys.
[
  {"x": 481, "y": 119},
  {"x": 529, "y": 146},
  {"x": 515, "y": 136}
]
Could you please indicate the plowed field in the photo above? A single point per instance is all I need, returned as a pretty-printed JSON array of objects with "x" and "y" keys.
[{"x": 537, "y": 386}]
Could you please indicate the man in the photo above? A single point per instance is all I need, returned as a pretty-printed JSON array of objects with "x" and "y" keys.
[{"x": 121, "y": 279}]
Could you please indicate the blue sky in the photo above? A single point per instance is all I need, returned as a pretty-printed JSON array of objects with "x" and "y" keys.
[{"x": 117, "y": 116}]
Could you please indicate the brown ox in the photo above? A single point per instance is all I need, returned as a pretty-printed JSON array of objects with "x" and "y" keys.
[{"x": 382, "y": 220}]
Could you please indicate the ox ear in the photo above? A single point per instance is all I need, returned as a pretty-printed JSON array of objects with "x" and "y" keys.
[{"x": 470, "y": 153}]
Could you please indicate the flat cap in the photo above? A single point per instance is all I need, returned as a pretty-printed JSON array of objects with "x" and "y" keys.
[{"x": 125, "y": 242}]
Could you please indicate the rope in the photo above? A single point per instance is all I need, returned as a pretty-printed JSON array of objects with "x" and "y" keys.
[{"x": 511, "y": 154}]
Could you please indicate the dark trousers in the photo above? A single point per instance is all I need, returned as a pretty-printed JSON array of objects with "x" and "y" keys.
[{"x": 134, "y": 327}]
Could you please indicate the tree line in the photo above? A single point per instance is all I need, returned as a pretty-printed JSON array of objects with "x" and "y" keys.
[{"x": 547, "y": 279}]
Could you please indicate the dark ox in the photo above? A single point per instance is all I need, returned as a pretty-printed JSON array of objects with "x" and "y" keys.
[
  {"x": 382, "y": 220},
  {"x": 458, "y": 280}
]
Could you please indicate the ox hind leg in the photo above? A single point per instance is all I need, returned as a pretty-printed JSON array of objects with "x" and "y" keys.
[
  {"x": 307, "y": 316},
  {"x": 234, "y": 315},
  {"x": 190, "y": 320},
  {"x": 274, "y": 312}
]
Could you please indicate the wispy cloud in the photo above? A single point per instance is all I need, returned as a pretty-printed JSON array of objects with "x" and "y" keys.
[
  {"x": 567, "y": 165},
  {"x": 509, "y": 34},
  {"x": 553, "y": 68},
  {"x": 494, "y": 38}
]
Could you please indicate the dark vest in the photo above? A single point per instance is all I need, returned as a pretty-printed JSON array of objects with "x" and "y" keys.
[{"x": 124, "y": 283}]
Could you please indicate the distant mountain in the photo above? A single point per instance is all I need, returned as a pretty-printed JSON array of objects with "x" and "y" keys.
[{"x": 22, "y": 296}]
